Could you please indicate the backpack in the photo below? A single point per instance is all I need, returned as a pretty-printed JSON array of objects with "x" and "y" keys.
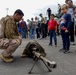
[{"x": 3, "y": 26}]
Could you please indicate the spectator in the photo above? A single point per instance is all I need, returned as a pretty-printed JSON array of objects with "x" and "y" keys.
[
  {"x": 49, "y": 12},
  {"x": 52, "y": 27},
  {"x": 75, "y": 19},
  {"x": 42, "y": 26},
  {"x": 32, "y": 29},
  {"x": 71, "y": 12},
  {"x": 65, "y": 25},
  {"x": 59, "y": 8},
  {"x": 23, "y": 27}
]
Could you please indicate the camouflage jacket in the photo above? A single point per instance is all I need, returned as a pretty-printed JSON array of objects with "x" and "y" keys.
[{"x": 11, "y": 31}]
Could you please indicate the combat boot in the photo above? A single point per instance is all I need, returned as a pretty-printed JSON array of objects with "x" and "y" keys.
[{"x": 6, "y": 59}]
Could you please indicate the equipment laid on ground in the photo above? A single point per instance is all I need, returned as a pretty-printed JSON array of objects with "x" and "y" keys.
[{"x": 34, "y": 50}]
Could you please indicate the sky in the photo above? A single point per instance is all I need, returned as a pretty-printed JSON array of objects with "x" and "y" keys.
[{"x": 31, "y": 8}]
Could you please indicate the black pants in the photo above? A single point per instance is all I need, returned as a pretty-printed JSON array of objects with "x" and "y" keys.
[
  {"x": 75, "y": 30},
  {"x": 43, "y": 30},
  {"x": 65, "y": 40},
  {"x": 38, "y": 33},
  {"x": 49, "y": 16},
  {"x": 72, "y": 32}
]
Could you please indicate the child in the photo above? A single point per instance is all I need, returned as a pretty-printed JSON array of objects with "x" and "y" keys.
[
  {"x": 75, "y": 19},
  {"x": 52, "y": 26},
  {"x": 65, "y": 27}
]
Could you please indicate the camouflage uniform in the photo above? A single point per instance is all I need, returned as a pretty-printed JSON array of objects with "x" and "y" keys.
[{"x": 10, "y": 41}]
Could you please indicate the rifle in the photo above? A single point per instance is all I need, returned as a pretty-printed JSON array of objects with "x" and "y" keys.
[
  {"x": 38, "y": 56},
  {"x": 36, "y": 51}
]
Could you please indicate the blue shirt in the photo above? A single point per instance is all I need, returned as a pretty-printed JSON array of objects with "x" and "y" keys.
[{"x": 67, "y": 22}]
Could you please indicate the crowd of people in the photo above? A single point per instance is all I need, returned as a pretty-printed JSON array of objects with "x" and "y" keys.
[{"x": 65, "y": 26}]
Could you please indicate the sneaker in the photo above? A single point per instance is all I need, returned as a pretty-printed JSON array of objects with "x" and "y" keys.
[
  {"x": 72, "y": 43},
  {"x": 67, "y": 51},
  {"x": 50, "y": 44},
  {"x": 6, "y": 59}
]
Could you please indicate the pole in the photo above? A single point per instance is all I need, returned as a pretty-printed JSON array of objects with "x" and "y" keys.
[{"x": 7, "y": 11}]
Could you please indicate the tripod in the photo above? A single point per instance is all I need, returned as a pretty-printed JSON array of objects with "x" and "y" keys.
[{"x": 36, "y": 60}]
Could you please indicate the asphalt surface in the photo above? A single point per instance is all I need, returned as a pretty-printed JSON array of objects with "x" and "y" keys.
[{"x": 66, "y": 63}]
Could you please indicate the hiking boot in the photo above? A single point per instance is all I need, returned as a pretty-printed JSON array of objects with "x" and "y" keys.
[{"x": 6, "y": 59}]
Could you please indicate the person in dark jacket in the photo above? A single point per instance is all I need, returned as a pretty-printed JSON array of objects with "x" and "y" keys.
[{"x": 65, "y": 25}]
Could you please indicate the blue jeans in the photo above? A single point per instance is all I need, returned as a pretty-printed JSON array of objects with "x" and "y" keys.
[
  {"x": 52, "y": 34},
  {"x": 65, "y": 39},
  {"x": 23, "y": 32},
  {"x": 32, "y": 33}
]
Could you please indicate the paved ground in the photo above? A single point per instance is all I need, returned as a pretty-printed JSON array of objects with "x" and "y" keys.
[{"x": 66, "y": 63}]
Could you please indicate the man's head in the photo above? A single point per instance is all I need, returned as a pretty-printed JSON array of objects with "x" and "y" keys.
[
  {"x": 70, "y": 3},
  {"x": 66, "y": 1},
  {"x": 36, "y": 18},
  {"x": 18, "y": 14},
  {"x": 64, "y": 8},
  {"x": 32, "y": 19},
  {"x": 40, "y": 15}
]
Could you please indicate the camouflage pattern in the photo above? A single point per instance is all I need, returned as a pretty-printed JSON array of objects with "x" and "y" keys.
[
  {"x": 11, "y": 40},
  {"x": 11, "y": 30},
  {"x": 27, "y": 51}
]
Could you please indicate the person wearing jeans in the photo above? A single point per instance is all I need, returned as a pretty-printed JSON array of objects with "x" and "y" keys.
[
  {"x": 52, "y": 34},
  {"x": 65, "y": 26},
  {"x": 52, "y": 26}
]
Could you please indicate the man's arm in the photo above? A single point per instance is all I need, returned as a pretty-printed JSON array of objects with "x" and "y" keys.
[{"x": 11, "y": 30}]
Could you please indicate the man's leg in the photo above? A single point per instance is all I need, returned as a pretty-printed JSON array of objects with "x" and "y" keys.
[
  {"x": 55, "y": 38},
  {"x": 72, "y": 34},
  {"x": 50, "y": 34},
  {"x": 7, "y": 53},
  {"x": 63, "y": 41}
]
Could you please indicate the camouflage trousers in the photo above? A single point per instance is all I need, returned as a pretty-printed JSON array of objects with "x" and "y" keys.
[{"x": 9, "y": 46}]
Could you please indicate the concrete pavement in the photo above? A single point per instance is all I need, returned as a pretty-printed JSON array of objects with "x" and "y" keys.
[{"x": 66, "y": 63}]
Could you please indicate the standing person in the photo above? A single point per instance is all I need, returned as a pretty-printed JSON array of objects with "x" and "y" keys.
[
  {"x": 52, "y": 26},
  {"x": 46, "y": 27},
  {"x": 65, "y": 25},
  {"x": 75, "y": 19},
  {"x": 11, "y": 41},
  {"x": 32, "y": 29},
  {"x": 23, "y": 27},
  {"x": 42, "y": 26},
  {"x": 71, "y": 12},
  {"x": 37, "y": 28},
  {"x": 59, "y": 8},
  {"x": 49, "y": 12}
]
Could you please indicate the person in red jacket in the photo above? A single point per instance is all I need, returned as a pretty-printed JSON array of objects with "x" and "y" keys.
[{"x": 52, "y": 26}]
